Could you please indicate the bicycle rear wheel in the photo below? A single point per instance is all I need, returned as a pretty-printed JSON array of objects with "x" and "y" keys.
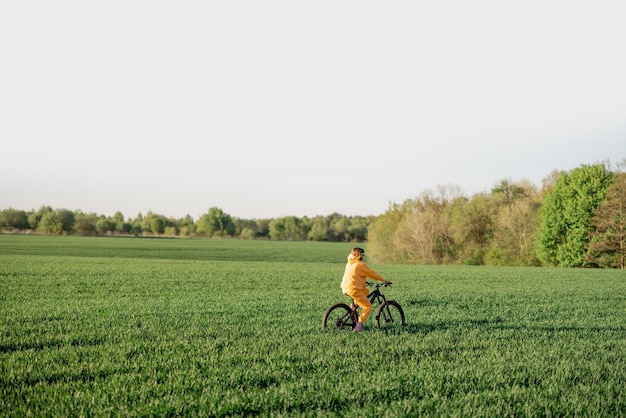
[
  {"x": 338, "y": 316},
  {"x": 389, "y": 314}
]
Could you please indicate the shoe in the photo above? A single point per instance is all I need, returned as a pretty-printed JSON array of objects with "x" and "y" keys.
[{"x": 358, "y": 327}]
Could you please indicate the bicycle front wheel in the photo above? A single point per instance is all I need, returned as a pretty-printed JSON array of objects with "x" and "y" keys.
[
  {"x": 338, "y": 316},
  {"x": 389, "y": 314}
]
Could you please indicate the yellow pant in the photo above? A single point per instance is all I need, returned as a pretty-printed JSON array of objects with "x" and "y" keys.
[{"x": 360, "y": 298}]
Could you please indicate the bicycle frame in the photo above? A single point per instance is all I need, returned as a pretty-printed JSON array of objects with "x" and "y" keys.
[{"x": 374, "y": 296}]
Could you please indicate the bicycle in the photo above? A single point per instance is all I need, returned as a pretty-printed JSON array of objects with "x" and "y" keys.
[{"x": 341, "y": 316}]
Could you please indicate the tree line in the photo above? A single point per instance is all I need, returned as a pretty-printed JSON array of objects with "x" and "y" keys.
[
  {"x": 576, "y": 219},
  {"x": 215, "y": 223}
]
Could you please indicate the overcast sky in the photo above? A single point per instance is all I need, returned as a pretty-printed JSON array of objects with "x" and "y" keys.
[{"x": 277, "y": 108}]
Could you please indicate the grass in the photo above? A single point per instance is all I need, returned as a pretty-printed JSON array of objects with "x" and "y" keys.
[
  {"x": 175, "y": 248},
  {"x": 208, "y": 328}
]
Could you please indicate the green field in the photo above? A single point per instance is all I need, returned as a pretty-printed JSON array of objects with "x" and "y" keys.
[{"x": 181, "y": 327}]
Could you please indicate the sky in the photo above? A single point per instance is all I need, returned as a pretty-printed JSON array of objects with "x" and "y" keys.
[{"x": 268, "y": 109}]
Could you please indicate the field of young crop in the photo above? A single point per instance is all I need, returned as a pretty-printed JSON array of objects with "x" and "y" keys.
[{"x": 182, "y": 327}]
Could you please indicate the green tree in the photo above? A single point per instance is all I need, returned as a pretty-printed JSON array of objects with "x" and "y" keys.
[
  {"x": 56, "y": 222},
  {"x": 216, "y": 223},
  {"x": 187, "y": 226},
  {"x": 136, "y": 225},
  {"x": 509, "y": 190},
  {"x": 608, "y": 233},
  {"x": 515, "y": 224},
  {"x": 565, "y": 218},
  {"x": 13, "y": 218},
  {"x": 263, "y": 227},
  {"x": 145, "y": 222},
  {"x": 247, "y": 233},
  {"x": 153, "y": 223},
  {"x": 35, "y": 217},
  {"x": 85, "y": 223},
  {"x": 157, "y": 225},
  {"x": 247, "y": 225},
  {"x": 382, "y": 244},
  {"x": 104, "y": 225},
  {"x": 278, "y": 230},
  {"x": 332, "y": 224},
  {"x": 121, "y": 226},
  {"x": 318, "y": 229},
  {"x": 472, "y": 226},
  {"x": 340, "y": 229},
  {"x": 288, "y": 228},
  {"x": 357, "y": 231}
]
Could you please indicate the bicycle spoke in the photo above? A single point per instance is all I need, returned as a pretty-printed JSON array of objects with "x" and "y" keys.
[
  {"x": 389, "y": 314},
  {"x": 338, "y": 317}
]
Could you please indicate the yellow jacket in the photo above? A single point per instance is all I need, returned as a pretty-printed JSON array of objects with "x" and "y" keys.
[{"x": 355, "y": 275}]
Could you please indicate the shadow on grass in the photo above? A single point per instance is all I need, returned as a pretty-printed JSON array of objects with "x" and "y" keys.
[
  {"x": 50, "y": 344},
  {"x": 425, "y": 328},
  {"x": 495, "y": 324}
]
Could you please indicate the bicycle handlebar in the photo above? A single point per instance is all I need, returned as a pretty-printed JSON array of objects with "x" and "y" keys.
[{"x": 378, "y": 284}]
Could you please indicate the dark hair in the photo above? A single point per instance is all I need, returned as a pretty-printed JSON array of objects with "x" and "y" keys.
[{"x": 358, "y": 252}]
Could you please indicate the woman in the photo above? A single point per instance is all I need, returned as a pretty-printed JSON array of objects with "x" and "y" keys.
[{"x": 353, "y": 283}]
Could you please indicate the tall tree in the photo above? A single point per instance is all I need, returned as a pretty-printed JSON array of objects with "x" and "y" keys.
[
  {"x": 509, "y": 190},
  {"x": 35, "y": 217},
  {"x": 85, "y": 223},
  {"x": 608, "y": 236},
  {"x": 472, "y": 226},
  {"x": 515, "y": 227},
  {"x": 423, "y": 233},
  {"x": 13, "y": 218},
  {"x": 104, "y": 225},
  {"x": 358, "y": 229},
  {"x": 157, "y": 225},
  {"x": 382, "y": 246},
  {"x": 566, "y": 214},
  {"x": 416, "y": 231},
  {"x": 56, "y": 222},
  {"x": 340, "y": 229},
  {"x": 318, "y": 229},
  {"x": 216, "y": 223},
  {"x": 187, "y": 226},
  {"x": 121, "y": 225},
  {"x": 288, "y": 228},
  {"x": 136, "y": 227},
  {"x": 515, "y": 224}
]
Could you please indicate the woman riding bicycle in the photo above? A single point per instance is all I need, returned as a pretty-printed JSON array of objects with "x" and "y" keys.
[{"x": 353, "y": 283}]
